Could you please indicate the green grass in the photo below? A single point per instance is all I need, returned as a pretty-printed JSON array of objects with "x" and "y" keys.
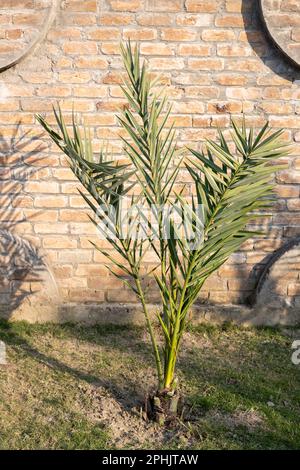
[{"x": 51, "y": 391}]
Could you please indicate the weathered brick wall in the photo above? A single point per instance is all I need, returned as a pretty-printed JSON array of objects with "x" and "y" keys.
[{"x": 217, "y": 63}]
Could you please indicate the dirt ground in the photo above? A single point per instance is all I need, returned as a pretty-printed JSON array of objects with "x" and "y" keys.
[{"x": 71, "y": 386}]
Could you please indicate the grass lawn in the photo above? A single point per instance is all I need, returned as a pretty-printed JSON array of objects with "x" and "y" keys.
[{"x": 77, "y": 387}]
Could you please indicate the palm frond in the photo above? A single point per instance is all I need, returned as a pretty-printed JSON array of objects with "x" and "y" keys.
[{"x": 231, "y": 188}]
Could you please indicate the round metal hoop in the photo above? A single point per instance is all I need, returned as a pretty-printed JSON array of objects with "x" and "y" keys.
[
  {"x": 40, "y": 37},
  {"x": 275, "y": 33}
]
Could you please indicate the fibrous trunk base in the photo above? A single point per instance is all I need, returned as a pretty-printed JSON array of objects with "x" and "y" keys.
[{"x": 163, "y": 407}]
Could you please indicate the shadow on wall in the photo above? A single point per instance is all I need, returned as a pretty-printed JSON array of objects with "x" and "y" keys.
[
  {"x": 21, "y": 266},
  {"x": 263, "y": 282},
  {"x": 22, "y": 269},
  {"x": 24, "y": 274},
  {"x": 279, "y": 286},
  {"x": 258, "y": 37},
  {"x": 271, "y": 294}
]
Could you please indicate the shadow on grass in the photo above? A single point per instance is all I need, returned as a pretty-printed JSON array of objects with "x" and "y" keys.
[
  {"x": 257, "y": 370},
  {"x": 256, "y": 377},
  {"x": 127, "y": 393}
]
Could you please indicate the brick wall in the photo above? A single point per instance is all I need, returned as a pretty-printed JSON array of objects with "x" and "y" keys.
[{"x": 216, "y": 61}]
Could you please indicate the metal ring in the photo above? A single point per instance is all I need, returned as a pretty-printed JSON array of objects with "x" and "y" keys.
[
  {"x": 41, "y": 36},
  {"x": 272, "y": 36}
]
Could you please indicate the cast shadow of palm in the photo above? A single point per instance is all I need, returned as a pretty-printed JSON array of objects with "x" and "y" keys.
[
  {"x": 20, "y": 262},
  {"x": 246, "y": 378},
  {"x": 231, "y": 377},
  {"x": 21, "y": 265},
  {"x": 127, "y": 393}
]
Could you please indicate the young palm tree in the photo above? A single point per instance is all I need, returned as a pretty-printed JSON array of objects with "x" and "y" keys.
[{"x": 231, "y": 187}]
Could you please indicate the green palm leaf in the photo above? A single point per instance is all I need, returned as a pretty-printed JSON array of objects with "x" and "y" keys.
[{"x": 233, "y": 189}]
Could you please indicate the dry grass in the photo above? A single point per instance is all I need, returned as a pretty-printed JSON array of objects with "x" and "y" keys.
[{"x": 75, "y": 387}]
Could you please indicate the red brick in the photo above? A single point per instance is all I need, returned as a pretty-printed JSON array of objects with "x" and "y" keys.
[
  {"x": 59, "y": 242},
  {"x": 194, "y": 49},
  {"x": 156, "y": 49},
  {"x": 192, "y": 19},
  {"x": 164, "y": 5},
  {"x": 26, "y": 19},
  {"x": 100, "y": 34},
  {"x": 87, "y": 5},
  {"x": 178, "y": 34},
  {"x": 91, "y": 270},
  {"x": 51, "y": 228},
  {"x": 206, "y": 64},
  {"x": 79, "y": 19},
  {"x": 233, "y": 50},
  {"x": 202, "y": 6},
  {"x": 234, "y": 6},
  {"x": 69, "y": 215},
  {"x": 125, "y": 5},
  {"x": 230, "y": 21},
  {"x": 91, "y": 62},
  {"x": 51, "y": 201},
  {"x": 166, "y": 64},
  {"x": 139, "y": 34},
  {"x": 74, "y": 77},
  {"x": 76, "y": 47},
  {"x": 115, "y": 19},
  {"x": 218, "y": 35},
  {"x": 154, "y": 19}
]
